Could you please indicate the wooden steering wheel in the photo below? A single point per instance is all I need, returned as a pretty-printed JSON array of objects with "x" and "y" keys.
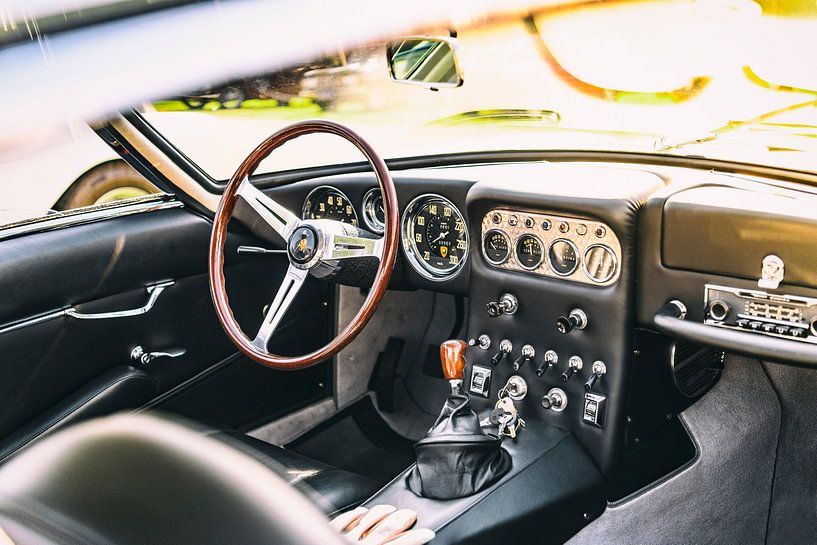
[{"x": 312, "y": 245}]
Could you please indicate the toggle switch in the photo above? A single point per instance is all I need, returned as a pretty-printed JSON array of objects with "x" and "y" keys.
[
  {"x": 505, "y": 348},
  {"x": 577, "y": 319},
  {"x": 483, "y": 341},
  {"x": 527, "y": 355},
  {"x": 551, "y": 359},
  {"x": 599, "y": 370},
  {"x": 507, "y": 304},
  {"x": 574, "y": 364}
]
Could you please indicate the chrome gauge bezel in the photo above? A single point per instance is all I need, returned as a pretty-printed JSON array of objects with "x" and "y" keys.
[
  {"x": 309, "y": 196},
  {"x": 507, "y": 239},
  {"x": 612, "y": 255},
  {"x": 516, "y": 254},
  {"x": 410, "y": 247},
  {"x": 367, "y": 208},
  {"x": 579, "y": 256}
]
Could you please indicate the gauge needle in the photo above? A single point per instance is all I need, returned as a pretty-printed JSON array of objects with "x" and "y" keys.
[{"x": 442, "y": 236}]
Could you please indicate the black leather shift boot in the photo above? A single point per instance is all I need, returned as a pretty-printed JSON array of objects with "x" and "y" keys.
[{"x": 457, "y": 458}]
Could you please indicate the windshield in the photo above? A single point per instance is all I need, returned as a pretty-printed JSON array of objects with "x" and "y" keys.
[{"x": 732, "y": 80}]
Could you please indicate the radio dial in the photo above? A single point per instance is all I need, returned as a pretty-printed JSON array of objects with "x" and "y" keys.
[{"x": 718, "y": 310}]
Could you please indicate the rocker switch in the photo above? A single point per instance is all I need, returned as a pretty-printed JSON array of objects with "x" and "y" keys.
[{"x": 594, "y": 408}]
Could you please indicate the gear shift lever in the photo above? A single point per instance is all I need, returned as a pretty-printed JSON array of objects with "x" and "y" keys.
[
  {"x": 452, "y": 354},
  {"x": 457, "y": 458}
]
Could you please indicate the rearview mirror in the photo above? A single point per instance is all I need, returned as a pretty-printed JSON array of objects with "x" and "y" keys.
[{"x": 431, "y": 62}]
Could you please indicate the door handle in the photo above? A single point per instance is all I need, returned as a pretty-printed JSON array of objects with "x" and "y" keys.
[
  {"x": 154, "y": 292},
  {"x": 140, "y": 356}
]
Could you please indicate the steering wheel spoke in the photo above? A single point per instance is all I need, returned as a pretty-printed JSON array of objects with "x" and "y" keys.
[
  {"x": 279, "y": 218},
  {"x": 290, "y": 287},
  {"x": 341, "y": 246}
]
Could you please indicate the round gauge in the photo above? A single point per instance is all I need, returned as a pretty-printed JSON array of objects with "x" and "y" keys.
[
  {"x": 496, "y": 247},
  {"x": 529, "y": 251},
  {"x": 434, "y": 237},
  {"x": 329, "y": 203},
  {"x": 599, "y": 263},
  {"x": 563, "y": 257},
  {"x": 374, "y": 214}
]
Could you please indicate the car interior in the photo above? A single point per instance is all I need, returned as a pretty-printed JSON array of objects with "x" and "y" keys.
[{"x": 519, "y": 346}]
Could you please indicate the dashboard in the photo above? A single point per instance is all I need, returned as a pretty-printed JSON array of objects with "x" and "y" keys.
[
  {"x": 436, "y": 244},
  {"x": 565, "y": 267}
]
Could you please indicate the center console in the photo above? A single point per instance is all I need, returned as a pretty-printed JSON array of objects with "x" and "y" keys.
[
  {"x": 551, "y": 297},
  {"x": 549, "y": 327}
]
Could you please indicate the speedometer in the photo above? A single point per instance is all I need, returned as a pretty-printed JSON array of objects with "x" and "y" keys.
[
  {"x": 434, "y": 237},
  {"x": 329, "y": 203}
]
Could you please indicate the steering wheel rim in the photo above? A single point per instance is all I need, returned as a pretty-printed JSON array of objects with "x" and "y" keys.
[{"x": 323, "y": 243}]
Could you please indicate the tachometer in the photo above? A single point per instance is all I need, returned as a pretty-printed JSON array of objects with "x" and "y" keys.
[
  {"x": 434, "y": 237},
  {"x": 329, "y": 203}
]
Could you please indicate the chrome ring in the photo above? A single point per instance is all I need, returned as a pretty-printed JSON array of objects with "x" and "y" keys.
[
  {"x": 410, "y": 249},
  {"x": 507, "y": 238},
  {"x": 575, "y": 251},
  {"x": 612, "y": 254},
  {"x": 516, "y": 256}
]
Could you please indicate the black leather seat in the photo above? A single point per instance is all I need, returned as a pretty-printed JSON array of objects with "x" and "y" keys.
[{"x": 331, "y": 489}]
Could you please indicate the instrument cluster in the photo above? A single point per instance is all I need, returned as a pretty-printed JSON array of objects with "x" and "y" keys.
[
  {"x": 575, "y": 249},
  {"x": 433, "y": 230}
]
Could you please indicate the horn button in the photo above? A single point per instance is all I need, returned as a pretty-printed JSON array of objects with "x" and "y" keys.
[{"x": 303, "y": 245}]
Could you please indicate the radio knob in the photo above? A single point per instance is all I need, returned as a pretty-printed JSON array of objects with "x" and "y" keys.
[
  {"x": 813, "y": 326},
  {"x": 719, "y": 310}
]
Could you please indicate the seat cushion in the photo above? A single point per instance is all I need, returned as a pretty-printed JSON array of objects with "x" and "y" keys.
[{"x": 333, "y": 490}]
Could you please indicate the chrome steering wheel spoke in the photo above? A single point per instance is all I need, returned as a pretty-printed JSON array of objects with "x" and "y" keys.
[
  {"x": 343, "y": 246},
  {"x": 290, "y": 287},
  {"x": 279, "y": 218}
]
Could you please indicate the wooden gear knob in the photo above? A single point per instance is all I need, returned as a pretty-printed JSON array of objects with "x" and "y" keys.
[{"x": 452, "y": 354}]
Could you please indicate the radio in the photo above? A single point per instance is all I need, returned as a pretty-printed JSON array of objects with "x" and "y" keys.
[{"x": 789, "y": 316}]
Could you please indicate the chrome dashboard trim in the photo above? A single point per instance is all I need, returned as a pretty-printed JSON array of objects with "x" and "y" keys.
[{"x": 580, "y": 232}]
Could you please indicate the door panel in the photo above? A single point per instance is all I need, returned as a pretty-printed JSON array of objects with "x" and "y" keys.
[{"x": 105, "y": 267}]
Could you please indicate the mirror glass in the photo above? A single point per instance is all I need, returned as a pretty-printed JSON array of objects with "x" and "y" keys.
[{"x": 424, "y": 61}]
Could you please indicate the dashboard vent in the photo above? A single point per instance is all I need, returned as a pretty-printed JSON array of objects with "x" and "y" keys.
[{"x": 695, "y": 368}]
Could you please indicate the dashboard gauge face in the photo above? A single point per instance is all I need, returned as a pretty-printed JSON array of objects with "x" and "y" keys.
[
  {"x": 599, "y": 263},
  {"x": 529, "y": 251},
  {"x": 563, "y": 257},
  {"x": 434, "y": 237},
  {"x": 329, "y": 203},
  {"x": 374, "y": 214},
  {"x": 496, "y": 247}
]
